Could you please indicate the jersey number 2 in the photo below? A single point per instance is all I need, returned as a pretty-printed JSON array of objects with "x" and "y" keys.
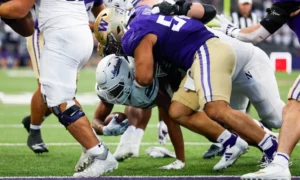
[{"x": 175, "y": 27}]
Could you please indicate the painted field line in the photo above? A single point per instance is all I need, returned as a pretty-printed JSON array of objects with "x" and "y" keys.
[
  {"x": 109, "y": 144},
  {"x": 137, "y": 177},
  {"x": 52, "y": 126}
]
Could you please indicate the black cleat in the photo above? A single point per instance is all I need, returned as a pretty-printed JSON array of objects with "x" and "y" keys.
[
  {"x": 35, "y": 142},
  {"x": 212, "y": 152},
  {"x": 26, "y": 123}
]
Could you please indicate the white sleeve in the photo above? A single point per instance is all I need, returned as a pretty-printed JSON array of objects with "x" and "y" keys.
[{"x": 254, "y": 37}]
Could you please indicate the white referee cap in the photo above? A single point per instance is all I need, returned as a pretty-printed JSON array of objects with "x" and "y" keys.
[{"x": 245, "y": 1}]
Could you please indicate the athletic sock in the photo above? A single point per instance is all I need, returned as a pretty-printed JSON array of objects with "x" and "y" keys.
[
  {"x": 96, "y": 151},
  {"x": 227, "y": 139},
  {"x": 281, "y": 159},
  {"x": 35, "y": 127},
  {"x": 269, "y": 146},
  {"x": 136, "y": 141},
  {"x": 128, "y": 134}
]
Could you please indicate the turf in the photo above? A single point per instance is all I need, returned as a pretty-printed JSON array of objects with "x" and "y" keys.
[{"x": 60, "y": 161}]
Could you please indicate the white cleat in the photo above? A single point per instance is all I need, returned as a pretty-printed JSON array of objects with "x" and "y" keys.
[
  {"x": 135, "y": 149},
  {"x": 83, "y": 161},
  {"x": 232, "y": 154},
  {"x": 98, "y": 167},
  {"x": 160, "y": 152},
  {"x": 174, "y": 165},
  {"x": 272, "y": 172},
  {"x": 123, "y": 151}
]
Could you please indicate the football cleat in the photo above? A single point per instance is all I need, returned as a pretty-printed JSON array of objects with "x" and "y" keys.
[
  {"x": 135, "y": 149},
  {"x": 35, "y": 142},
  {"x": 123, "y": 151},
  {"x": 272, "y": 172},
  {"x": 99, "y": 166},
  {"x": 83, "y": 161},
  {"x": 174, "y": 165},
  {"x": 232, "y": 154},
  {"x": 215, "y": 149},
  {"x": 26, "y": 123}
]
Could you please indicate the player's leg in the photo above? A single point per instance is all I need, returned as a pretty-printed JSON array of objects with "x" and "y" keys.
[
  {"x": 38, "y": 107},
  {"x": 212, "y": 73},
  {"x": 262, "y": 89},
  {"x": 61, "y": 59},
  {"x": 288, "y": 138},
  {"x": 131, "y": 139},
  {"x": 184, "y": 111}
]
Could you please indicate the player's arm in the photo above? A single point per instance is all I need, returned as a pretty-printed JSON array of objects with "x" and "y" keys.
[
  {"x": 15, "y": 9},
  {"x": 97, "y": 8},
  {"x": 23, "y": 26},
  {"x": 102, "y": 111},
  {"x": 277, "y": 16},
  {"x": 144, "y": 62},
  {"x": 201, "y": 11}
]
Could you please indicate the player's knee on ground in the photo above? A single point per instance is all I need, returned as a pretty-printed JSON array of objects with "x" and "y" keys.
[{"x": 69, "y": 115}]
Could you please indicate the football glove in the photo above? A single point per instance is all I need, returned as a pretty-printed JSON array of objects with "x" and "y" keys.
[
  {"x": 162, "y": 132},
  {"x": 226, "y": 26},
  {"x": 166, "y": 8},
  {"x": 114, "y": 128}
]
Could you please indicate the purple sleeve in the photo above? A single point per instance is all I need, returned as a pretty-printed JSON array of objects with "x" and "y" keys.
[{"x": 98, "y": 3}]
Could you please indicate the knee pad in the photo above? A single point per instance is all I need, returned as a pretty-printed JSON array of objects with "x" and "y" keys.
[{"x": 69, "y": 116}]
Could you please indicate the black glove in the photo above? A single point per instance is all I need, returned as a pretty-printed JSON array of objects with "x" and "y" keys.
[{"x": 179, "y": 8}]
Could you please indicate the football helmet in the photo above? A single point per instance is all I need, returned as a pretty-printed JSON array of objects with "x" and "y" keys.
[
  {"x": 109, "y": 30},
  {"x": 114, "y": 76}
]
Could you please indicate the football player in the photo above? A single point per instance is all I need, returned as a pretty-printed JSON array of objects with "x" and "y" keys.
[
  {"x": 186, "y": 43},
  {"x": 62, "y": 57},
  {"x": 281, "y": 12},
  {"x": 39, "y": 110}
]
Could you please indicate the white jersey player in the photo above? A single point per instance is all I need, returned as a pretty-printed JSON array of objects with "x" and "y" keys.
[
  {"x": 39, "y": 110},
  {"x": 63, "y": 55}
]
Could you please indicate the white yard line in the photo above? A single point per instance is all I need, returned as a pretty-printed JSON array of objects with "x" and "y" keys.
[
  {"x": 7, "y": 126},
  {"x": 109, "y": 144}
]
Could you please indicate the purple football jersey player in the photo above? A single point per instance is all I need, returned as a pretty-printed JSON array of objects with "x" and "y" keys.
[
  {"x": 178, "y": 37},
  {"x": 187, "y": 44}
]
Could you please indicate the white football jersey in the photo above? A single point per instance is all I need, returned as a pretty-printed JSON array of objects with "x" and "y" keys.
[
  {"x": 244, "y": 51},
  {"x": 59, "y": 14}
]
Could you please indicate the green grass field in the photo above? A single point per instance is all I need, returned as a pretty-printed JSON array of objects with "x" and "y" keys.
[{"x": 17, "y": 160}]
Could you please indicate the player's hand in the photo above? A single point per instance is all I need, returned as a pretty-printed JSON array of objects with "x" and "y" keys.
[
  {"x": 164, "y": 8},
  {"x": 114, "y": 128},
  {"x": 226, "y": 26},
  {"x": 144, "y": 96},
  {"x": 162, "y": 132}
]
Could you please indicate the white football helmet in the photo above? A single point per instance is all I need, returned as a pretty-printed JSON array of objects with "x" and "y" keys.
[{"x": 114, "y": 76}]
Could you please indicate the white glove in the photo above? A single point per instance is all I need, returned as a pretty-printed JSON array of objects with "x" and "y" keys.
[
  {"x": 226, "y": 26},
  {"x": 162, "y": 132},
  {"x": 160, "y": 152},
  {"x": 114, "y": 128},
  {"x": 144, "y": 96},
  {"x": 174, "y": 165}
]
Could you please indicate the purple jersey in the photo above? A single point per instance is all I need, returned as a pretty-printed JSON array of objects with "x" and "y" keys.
[
  {"x": 178, "y": 37},
  {"x": 275, "y": 1},
  {"x": 89, "y": 4}
]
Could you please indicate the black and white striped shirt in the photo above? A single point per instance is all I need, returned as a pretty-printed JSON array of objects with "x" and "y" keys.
[{"x": 239, "y": 21}]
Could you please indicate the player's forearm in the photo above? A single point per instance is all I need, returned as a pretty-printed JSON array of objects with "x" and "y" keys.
[
  {"x": 254, "y": 34},
  {"x": 91, "y": 24},
  {"x": 16, "y": 9},
  {"x": 24, "y": 26},
  {"x": 98, "y": 126},
  {"x": 203, "y": 12}
]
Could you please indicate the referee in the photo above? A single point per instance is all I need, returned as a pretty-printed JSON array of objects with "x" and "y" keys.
[{"x": 245, "y": 17}]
